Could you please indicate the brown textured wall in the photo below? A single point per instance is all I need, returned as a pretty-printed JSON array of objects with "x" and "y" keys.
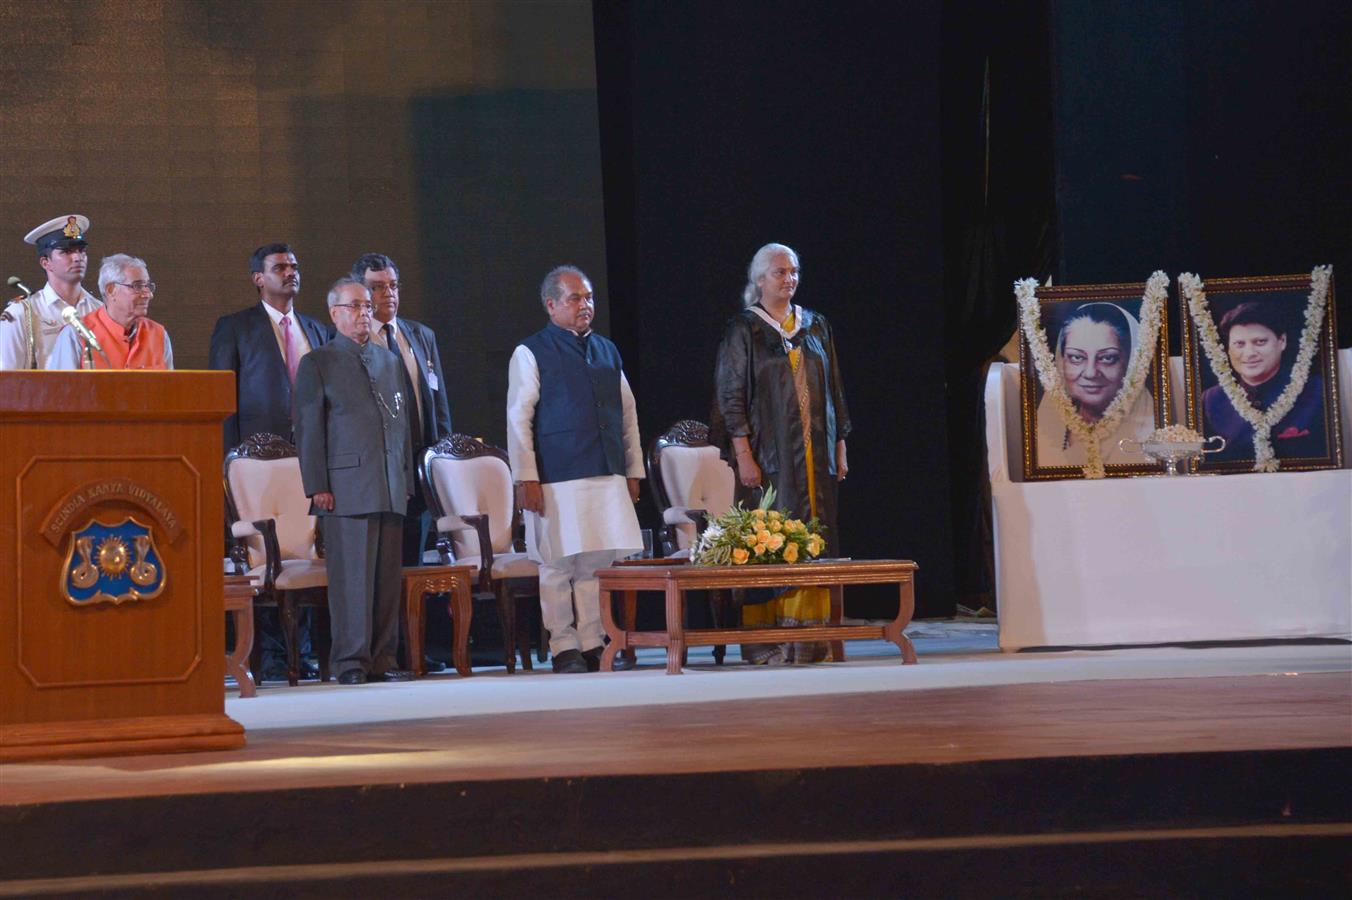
[{"x": 191, "y": 132}]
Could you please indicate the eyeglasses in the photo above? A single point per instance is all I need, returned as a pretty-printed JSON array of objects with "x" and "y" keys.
[
  {"x": 359, "y": 307},
  {"x": 140, "y": 287},
  {"x": 387, "y": 287}
]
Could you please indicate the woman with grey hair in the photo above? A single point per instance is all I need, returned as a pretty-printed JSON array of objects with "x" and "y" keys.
[{"x": 780, "y": 413}]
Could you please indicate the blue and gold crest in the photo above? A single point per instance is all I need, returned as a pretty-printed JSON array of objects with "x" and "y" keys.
[{"x": 112, "y": 564}]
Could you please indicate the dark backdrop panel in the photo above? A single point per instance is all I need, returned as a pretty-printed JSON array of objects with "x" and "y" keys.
[
  {"x": 1206, "y": 136},
  {"x": 459, "y": 138},
  {"x": 510, "y": 186},
  {"x": 726, "y": 126},
  {"x": 999, "y": 225}
]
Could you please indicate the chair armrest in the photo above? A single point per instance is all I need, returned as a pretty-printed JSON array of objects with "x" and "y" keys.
[
  {"x": 476, "y": 522},
  {"x": 453, "y": 523},
  {"x": 239, "y": 553},
  {"x": 479, "y": 521},
  {"x": 675, "y": 515},
  {"x": 683, "y": 515},
  {"x": 267, "y": 530},
  {"x": 444, "y": 526}
]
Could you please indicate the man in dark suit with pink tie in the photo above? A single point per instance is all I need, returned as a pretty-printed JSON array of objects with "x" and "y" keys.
[{"x": 263, "y": 345}]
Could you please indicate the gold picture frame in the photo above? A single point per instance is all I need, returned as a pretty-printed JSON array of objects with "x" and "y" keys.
[
  {"x": 1307, "y": 438},
  {"x": 1048, "y": 451}
]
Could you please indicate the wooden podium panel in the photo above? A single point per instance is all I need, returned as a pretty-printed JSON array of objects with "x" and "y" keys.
[{"x": 111, "y": 619}]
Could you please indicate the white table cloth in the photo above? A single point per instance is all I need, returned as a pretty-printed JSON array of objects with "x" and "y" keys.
[{"x": 1160, "y": 560}]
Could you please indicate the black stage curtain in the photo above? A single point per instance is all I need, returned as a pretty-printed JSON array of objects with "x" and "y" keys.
[
  {"x": 728, "y": 125},
  {"x": 998, "y": 226},
  {"x": 1205, "y": 136}
]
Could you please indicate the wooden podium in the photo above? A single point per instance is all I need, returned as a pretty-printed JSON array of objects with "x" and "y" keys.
[{"x": 111, "y": 621}]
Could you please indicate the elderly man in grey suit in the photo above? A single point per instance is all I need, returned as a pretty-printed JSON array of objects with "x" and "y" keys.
[{"x": 356, "y": 464}]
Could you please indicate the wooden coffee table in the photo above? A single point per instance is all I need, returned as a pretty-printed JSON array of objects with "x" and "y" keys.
[{"x": 674, "y": 580}]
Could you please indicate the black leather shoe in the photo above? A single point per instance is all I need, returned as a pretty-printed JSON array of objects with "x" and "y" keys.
[
  {"x": 433, "y": 665},
  {"x": 352, "y": 676},
  {"x": 570, "y": 662},
  {"x": 391, "y": 675},
  {"x": 308, "y": 671}
]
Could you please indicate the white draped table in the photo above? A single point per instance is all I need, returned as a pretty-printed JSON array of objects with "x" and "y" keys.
[{"x": 1160, "y": 560}]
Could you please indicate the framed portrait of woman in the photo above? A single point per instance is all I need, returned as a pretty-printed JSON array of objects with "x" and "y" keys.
[
  {"x": 1257, "y": 326},
  {"x": 1114, "y": 374}
]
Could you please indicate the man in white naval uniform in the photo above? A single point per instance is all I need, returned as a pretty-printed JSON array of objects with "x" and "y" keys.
[
  {"x": 29, "y": 326},
  {"x": 572, "y": 436}
]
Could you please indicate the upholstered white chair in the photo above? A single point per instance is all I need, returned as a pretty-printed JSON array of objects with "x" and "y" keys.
[
  {"x": 470, "y": 491},
  {"x": 692, "y": 484},
  {"x": 275, "y": 539}
]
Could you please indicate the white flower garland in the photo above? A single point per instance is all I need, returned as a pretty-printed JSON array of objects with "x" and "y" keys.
[
  {"x": 1138, "y": 368},
  {"x": 1265, "y": 460}
]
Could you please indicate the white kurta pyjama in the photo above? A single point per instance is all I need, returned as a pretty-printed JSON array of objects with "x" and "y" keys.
[{"x": 587, "y": 524}]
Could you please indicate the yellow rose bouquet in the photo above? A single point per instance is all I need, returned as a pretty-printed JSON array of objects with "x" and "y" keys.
[{"x": 762, "y": 535}]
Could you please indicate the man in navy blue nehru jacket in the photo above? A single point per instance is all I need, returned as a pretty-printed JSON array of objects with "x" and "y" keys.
[{"x": 572, "y": 435}]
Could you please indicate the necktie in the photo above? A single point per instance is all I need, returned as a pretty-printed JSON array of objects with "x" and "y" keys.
[
  {"x": 410, "y": 399},
  {"x": 292, "y": 357}
]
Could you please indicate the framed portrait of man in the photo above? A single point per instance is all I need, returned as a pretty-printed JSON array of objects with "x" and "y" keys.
[
  {"x": 1256, "y": 377},
  {"x": 1111, "y": 370}
]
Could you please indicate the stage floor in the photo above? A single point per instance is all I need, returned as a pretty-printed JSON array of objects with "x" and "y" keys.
[{"x": 964, "y": 702}]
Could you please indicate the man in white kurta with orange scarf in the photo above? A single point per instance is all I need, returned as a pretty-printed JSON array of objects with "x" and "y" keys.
[
  {"x": 572, "y": 436},
  {"x": 127, "y": 337}
]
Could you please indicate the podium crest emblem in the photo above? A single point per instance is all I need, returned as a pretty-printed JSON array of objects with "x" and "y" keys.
[{"x": 112, "y": 564}]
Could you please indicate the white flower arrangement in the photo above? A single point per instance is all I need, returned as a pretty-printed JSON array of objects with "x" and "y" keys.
[
  {"x": 1262, "y": 421},
  {"x": 1049, "y": 374},
  {"x": 1174, "y": 434}
]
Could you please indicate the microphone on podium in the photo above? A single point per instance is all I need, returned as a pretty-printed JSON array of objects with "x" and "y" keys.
[{"x": 73, "y": 319}]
